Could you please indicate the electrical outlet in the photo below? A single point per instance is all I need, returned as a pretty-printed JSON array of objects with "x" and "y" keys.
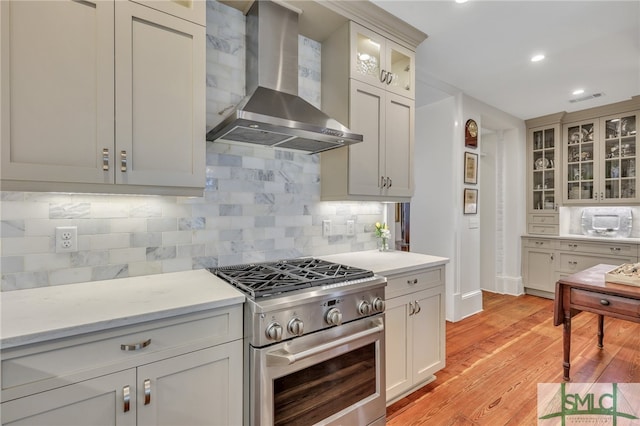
[
  {"x": 66, "y": 239},
  {"x": 326, "y": 228},
  {"x": 351, "y": 227}
]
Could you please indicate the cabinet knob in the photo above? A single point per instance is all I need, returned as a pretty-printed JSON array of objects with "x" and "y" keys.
[
  {"x": 604, "y": 302},
  {"x": 413, "y": 281}
]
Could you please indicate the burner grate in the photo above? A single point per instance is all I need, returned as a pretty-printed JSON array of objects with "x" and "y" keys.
[{"x": 268, "y": 279}]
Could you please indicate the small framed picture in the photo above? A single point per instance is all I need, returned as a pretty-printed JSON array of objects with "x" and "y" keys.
[
  {"x": 470, "y": 168},
  {"x": 470, "y": 201}
]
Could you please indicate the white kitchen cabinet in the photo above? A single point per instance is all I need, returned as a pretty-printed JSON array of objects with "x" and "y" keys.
[
  {"x": 546, "y": 260},
  {"x": 189, "y": 373},
  {"x": 543, "y": 179},
  {"x": 538, "y": 264},
  {"x": 381, "y": 62},
  {"x": 91, "y": 402},
  {"x": 381, "y": 167},
  {"x": 415, "y": 324},
  {"x": 62, "y": 93}
]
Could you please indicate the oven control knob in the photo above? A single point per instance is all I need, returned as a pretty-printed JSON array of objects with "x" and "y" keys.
[
  {"x": 334, "y": 316},
  {"x": 296, "y": 327},
  {"x": 274, "y": 331},
  {"x": 364, "y": 308},
  {"x": 378, "y": 304}
]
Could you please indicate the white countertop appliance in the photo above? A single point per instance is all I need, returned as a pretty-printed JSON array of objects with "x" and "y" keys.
[{"x": 314, "y": 333}]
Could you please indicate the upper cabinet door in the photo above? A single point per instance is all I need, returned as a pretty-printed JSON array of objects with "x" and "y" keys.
[
  {"x": 580, "y": 154},
  {"x": 56, "y": 90},
  {"x": 366, "y": 159},
  {"x": 160, "y": 98},
  {"x": 381, "y": 62},
  {"x": 619, "y": 157},
  {"x": 400, "y": 68},
  {"x": 543, "y": 166}
]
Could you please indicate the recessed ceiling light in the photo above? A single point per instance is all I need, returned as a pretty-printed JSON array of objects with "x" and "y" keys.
[
  {"x": 578, "y": 92},
  {"x": 461, "y": 1},
  {"x": 537, "y": 58}
]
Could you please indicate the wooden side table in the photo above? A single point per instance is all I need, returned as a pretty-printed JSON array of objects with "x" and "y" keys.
[{"x": 588, "y": 291}]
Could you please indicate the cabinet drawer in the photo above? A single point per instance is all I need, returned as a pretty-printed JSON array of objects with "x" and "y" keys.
[
  {"x": 544, "y": 219},
  {"x": 572, "y": 263},
  {"x": 607, "y": 303},
  {"x": 542, "y": 229},
  {"x": 613, "y": 248},
  {"x": 398, "y": 285},
  {"x": 54, "y": 360},
  {"x": 539, "y": 243}
]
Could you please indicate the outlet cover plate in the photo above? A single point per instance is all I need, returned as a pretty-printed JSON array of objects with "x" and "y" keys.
[{"x": 66, "y": 239}]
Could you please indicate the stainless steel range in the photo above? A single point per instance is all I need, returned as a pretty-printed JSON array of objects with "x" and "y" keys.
[{"x": 314, "y": 333}]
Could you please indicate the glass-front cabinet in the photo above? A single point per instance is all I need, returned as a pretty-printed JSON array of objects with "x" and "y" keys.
[
  {"x": 579, "y": 153},
  {"x": 544, "y": 165},
  {"x": 600, "y": 158},
  {"x": 543, "y": 179},
  {"x": 381, "y": 62},
  {"x": 620, "y": 142}
]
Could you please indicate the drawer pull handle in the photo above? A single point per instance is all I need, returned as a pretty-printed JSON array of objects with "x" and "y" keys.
[
  {"x": 413, "y": 281},
  {"x": 136, "y": 346},
  {"x": 604, "y": 302},
  {"x": 573, "y": 262},
  {"x": 147, "y": 392},
  {"x": 126, "y": 398},
  {"x": 412, "y": 309},
  {"x": 418, "y": 308},
  {"x": 615, "y": 248},
  {"x": 123, "y": 161},
  {"x": 105, "y": 159}
]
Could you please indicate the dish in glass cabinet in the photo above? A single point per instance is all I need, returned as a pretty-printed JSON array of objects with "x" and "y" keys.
[{"x": 542, "y": 163}]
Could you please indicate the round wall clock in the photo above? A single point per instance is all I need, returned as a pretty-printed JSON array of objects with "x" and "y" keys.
[{"x": 471, "y": 134}]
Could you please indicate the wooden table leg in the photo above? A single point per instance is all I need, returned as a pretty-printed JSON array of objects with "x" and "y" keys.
[
  {"x": 566, "y": 343},
  {"x": 600, "y": 330}
]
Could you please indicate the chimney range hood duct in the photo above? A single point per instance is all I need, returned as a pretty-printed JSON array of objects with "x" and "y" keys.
[{"x": 273, "y": 114}]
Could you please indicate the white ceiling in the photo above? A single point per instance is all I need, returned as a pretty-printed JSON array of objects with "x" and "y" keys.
[{"x": 483, "y": 48}]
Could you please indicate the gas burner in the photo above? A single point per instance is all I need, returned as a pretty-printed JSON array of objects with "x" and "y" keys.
[{"x": 272, "y": 278}]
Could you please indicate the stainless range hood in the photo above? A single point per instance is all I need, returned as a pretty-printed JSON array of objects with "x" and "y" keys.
[{"x": 273, "y": 114}]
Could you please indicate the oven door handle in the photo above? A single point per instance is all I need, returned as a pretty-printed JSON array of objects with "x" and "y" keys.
[{"x": 283, "y": 357}]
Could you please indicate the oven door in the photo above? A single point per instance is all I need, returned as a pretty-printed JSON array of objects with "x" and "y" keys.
[{"x": 335, "y": 376}]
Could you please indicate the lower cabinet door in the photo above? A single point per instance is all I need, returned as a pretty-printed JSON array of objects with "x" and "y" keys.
[
  {"x": 99, "y": 401},
  {"x": 398, "y": 361},
  {"x": 428, "y": 334},
  {"x": 538, "y": 269},
  {"x": 199, "y": 388}
]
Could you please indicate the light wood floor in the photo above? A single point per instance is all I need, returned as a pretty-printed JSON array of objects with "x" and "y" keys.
[{"x": 495, "y": 360}]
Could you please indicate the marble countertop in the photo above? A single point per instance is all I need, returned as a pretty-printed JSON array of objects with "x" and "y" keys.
[
  {"x": 628, "y": 240},
  {"x": 388, "y": 262},
  {"x": 41, "y": 314}
]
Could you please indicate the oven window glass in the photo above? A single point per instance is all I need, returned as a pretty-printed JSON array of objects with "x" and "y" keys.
[{"x": 319, "y": 391}]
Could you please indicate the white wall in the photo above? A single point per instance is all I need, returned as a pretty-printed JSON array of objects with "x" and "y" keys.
[{"x": 438, "y": 224}]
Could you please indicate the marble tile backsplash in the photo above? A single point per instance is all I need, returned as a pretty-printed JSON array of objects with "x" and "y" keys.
[{"x": 259, "y": 204}]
